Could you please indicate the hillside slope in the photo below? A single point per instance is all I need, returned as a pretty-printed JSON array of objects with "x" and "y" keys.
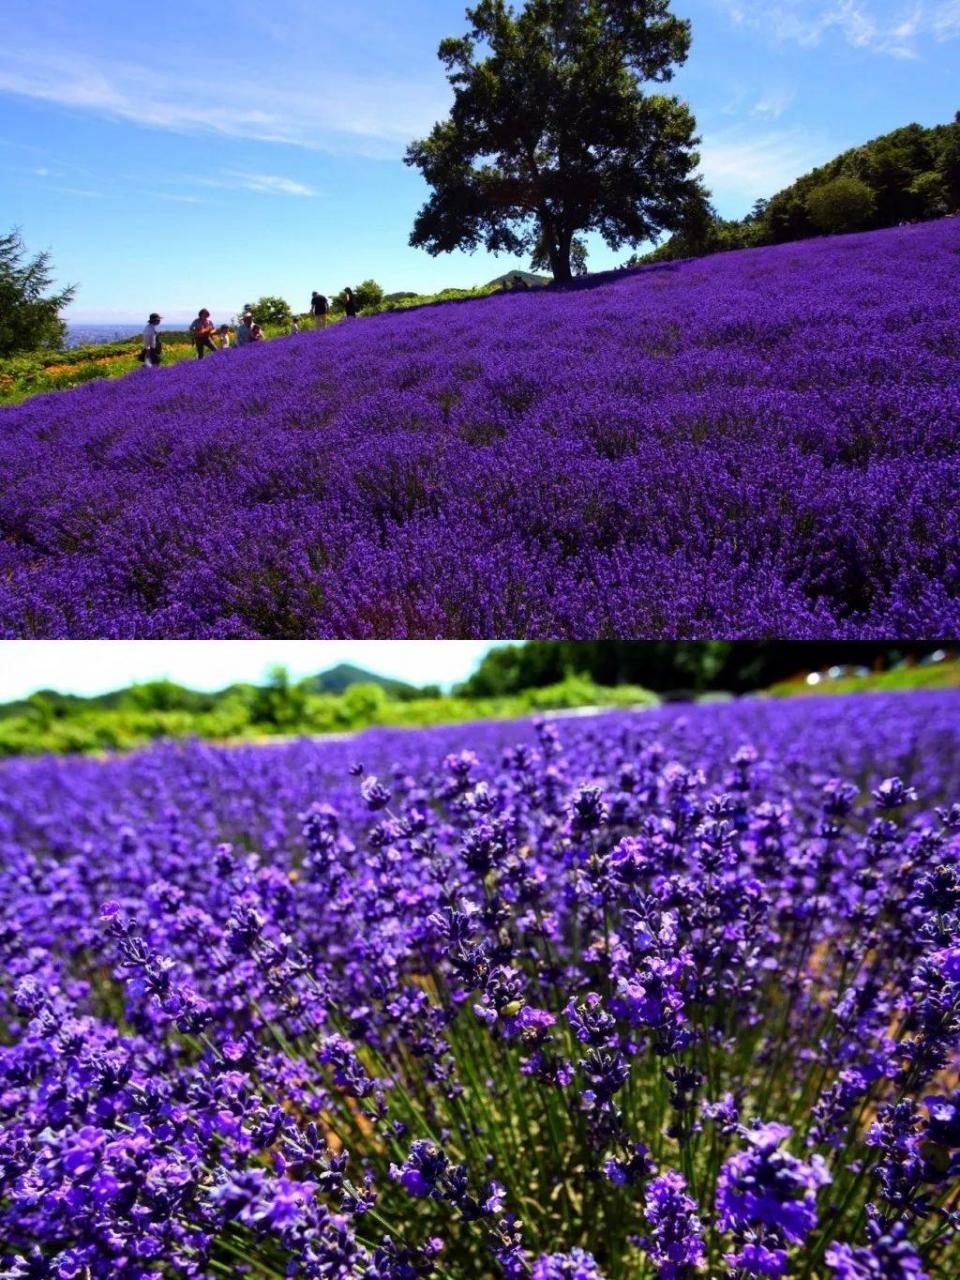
[
  {"x": 911, "y": 174},
  {"x": 756, "y": 444}
]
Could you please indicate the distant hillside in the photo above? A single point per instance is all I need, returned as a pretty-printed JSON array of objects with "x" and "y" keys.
[
  {"x": 508, "y": 280},
  {"x": 909, "y": 175},
  {"x": 168, "y": 696},
  {"x": 339, "y": 679}
]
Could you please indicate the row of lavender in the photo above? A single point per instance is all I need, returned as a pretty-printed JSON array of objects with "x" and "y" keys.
[
  {"x": 659, "y": 995},
  {"x": 761, "y": 443}
]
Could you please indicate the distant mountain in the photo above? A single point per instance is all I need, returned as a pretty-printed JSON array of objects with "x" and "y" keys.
[
  {"x": 510, "y": 278},
  {"x": 340, "y": 678},
  {"x": 166, "y": 695}
]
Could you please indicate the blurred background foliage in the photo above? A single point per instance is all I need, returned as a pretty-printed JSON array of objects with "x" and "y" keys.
[{"x": 512, "y": 680}]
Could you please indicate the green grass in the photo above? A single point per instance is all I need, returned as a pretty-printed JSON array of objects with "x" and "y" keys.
[
  {"x": 943, "y": 675},
  {"x": 50, "y": 724}
]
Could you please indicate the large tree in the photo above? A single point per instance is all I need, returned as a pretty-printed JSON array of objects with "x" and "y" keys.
[
  {"x": 551, "y": 133},
  {"x": 29, "y": 314},
  {"x": 949, "y": 162}
]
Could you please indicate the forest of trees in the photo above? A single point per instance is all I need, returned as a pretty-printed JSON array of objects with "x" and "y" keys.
[
  {"x": 667, "y": 666},
  {"x": 909, "y": 175}
]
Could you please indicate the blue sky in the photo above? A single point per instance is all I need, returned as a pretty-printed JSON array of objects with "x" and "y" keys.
[
  {"x": 176, "y": 156},
  {"x": 97, "y": 666}
]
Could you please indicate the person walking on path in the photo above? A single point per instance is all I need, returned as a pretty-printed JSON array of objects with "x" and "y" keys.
[
  {"x": 202, "y": 330},
  {"x": 152, "y": 352},
  {"x": 350, "y": 303},
  {"x": 319, "y": 309}
]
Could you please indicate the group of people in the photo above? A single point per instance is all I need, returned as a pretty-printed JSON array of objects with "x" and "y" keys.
[
  {"x": 203, "y": 332},
  {"x": 320, "y": 307},
  {"x": 209, "y": 337}
]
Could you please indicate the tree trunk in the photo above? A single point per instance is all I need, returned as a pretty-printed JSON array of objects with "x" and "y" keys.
[{"x": 560, "y": 250}]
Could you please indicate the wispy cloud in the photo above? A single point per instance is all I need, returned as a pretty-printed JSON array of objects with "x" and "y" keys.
[
  {"x": 374, "y": 118},
  {"x": 774, "y": 103},
  {"x": 175, "y": 199},
  {"x": 740, "y": 166},
  {"x": 946, "y": 20},
  {"x": 83, "y": 193},
  {"x": 895, "y": 30},
  {"x": 262, "y": 183}
]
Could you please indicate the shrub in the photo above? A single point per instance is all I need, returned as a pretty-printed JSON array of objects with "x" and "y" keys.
[
  {"x": 368, "y": 294},
  {"x": 930, "y": 192},
  {"x": 273, "y": 311},
  {"x": 845, "y": 204}
]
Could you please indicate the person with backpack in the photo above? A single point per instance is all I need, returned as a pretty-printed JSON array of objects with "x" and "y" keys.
[
  {"x": 319, "y": 309},
  {"x": 202, "y": 331},
  {"x": 152, "y": 351}
]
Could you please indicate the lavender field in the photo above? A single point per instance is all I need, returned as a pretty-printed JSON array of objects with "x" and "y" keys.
[
  {"x": 761, "y": 443},
  {"x": 657, "y": 995}
]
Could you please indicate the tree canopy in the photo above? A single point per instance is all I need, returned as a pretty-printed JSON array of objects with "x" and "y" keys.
[
  {"x": 272, "y": 310},
  {"x": 551, "y": 133},
  {"x": 843, "y": 204},
  {"x": 665, "y": 665},
  {"x": 29, "y": 313},
  {"x": 368, "y": 294},
  {"x": 911, "y": 174}
]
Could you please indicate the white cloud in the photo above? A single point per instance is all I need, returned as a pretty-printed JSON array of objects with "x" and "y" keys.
[
  {"x": 375, "y": 117},
  {"x": 946, "y": 20},
  {"x": 261, "y": 183},
  {"x": 176, "y": 199},
  {"x": 774, "y": 103},
  {"x": 740, "y": 166},
  {"x": 879, "y": 26}
]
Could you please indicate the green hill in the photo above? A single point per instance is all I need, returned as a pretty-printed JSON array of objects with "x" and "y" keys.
[
  {"x": 166, "y": 695},
  {"x": 909, "y": 175},
  {"x": 338, "y": 679},
  {"x": 510, "y": 278}
]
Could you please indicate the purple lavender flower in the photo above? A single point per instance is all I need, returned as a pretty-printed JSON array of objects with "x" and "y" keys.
[
  {"x": 676, "y": 1243},
  {"x": 367, "y": 1046},
  {"x": 576, "y": 1265},
  {"x": 888, "y": 1256},
  {"x": 127, "y": 503},
  {"x": 893, "y": 793},
  {"x": 765, "y": 1186},
  {"x": 375, "y": 794}
]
